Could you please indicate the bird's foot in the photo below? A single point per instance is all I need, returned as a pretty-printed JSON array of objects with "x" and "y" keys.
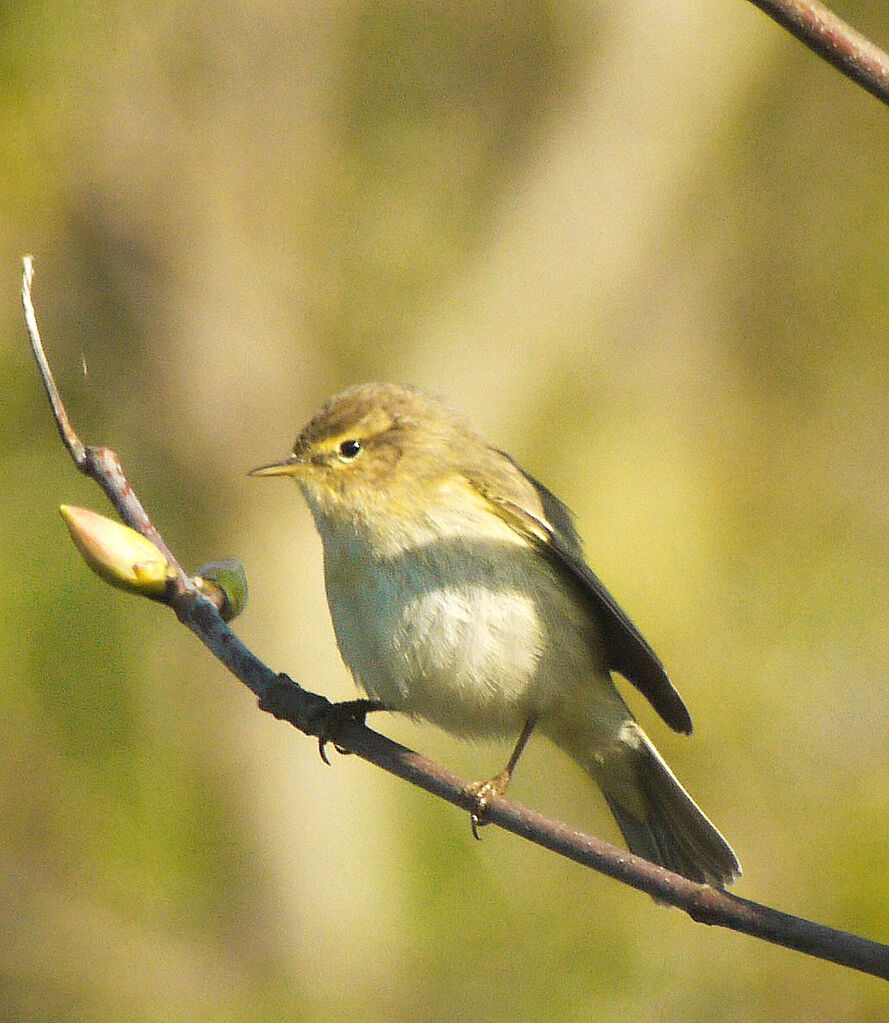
[
  {"x": 332, "y": 718},
  {"x": 483, "y": 792}
]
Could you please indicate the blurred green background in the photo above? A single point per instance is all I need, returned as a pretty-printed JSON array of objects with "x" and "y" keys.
[{"x": 643, "y": 247}]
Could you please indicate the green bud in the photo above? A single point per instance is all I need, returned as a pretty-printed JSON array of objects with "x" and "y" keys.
[
  {"x": 225, "y": 584},
  {"x": 118, "y": 554}
]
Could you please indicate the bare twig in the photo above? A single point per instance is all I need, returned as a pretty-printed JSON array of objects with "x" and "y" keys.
[
  {"x": 66, "y": 430},
  {"x": 101, "y": 464},
  {"x": 308, "y": 712},
  {"x": 831, "y": 38}
]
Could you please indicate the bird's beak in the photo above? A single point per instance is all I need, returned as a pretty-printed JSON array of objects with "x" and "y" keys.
[{"x": 289, "y": 467}]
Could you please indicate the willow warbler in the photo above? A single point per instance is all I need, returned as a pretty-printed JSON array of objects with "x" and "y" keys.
[{"x": 459, "y": 594}]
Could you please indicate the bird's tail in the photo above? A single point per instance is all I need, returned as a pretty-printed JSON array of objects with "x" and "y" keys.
[{"x": 659, "y": 819}]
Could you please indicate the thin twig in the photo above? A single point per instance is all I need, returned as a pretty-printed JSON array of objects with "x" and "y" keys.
[
  {"x": 835, "y": 41},
  {"x": 306, "y": 711},
  {"x": 66, "y": 430},
  {"x": 100, "y": 464}
]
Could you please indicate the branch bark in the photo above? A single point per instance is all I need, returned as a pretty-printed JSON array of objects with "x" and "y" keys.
[
  {"x": 833, "y": 40},
  {"x": 307, "y": 711}
]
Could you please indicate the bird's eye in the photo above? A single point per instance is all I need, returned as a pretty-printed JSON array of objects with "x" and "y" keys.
[{"x": 349, "y": 449}]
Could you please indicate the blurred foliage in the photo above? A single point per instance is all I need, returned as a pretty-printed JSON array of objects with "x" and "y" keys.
[{"x": 642, "y": 247}]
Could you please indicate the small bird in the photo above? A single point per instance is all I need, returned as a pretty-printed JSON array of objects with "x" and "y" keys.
[{"x": 459, "y": 594}]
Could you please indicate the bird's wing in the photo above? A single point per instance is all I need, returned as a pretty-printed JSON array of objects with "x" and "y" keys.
[{"x": 554, "y": 535}]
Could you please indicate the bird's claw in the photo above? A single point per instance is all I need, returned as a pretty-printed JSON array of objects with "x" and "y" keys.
[
  {"x": 333, "y": 717},
  {"x": 482, "y": 792},
  {"x": 322, "y": 749}
]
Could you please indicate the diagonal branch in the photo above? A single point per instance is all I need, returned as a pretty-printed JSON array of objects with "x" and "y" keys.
[
  {"x": 307, "y": 711},
  {"x": 835, "y": 41}
]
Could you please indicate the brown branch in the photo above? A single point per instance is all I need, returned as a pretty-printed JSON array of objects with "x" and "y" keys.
[
  {"x": 308, "y": 712},
  {"x": 833, "y": 40}
]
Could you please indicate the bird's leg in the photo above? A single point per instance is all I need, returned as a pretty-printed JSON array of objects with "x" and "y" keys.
[{"x": 496, "y": 786}]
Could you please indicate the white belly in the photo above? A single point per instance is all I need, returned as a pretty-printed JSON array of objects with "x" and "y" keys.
[{"x": 475, "y": 637}]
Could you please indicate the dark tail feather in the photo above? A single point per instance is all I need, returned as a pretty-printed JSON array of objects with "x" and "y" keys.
[{"x": 674, "y": 832}]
